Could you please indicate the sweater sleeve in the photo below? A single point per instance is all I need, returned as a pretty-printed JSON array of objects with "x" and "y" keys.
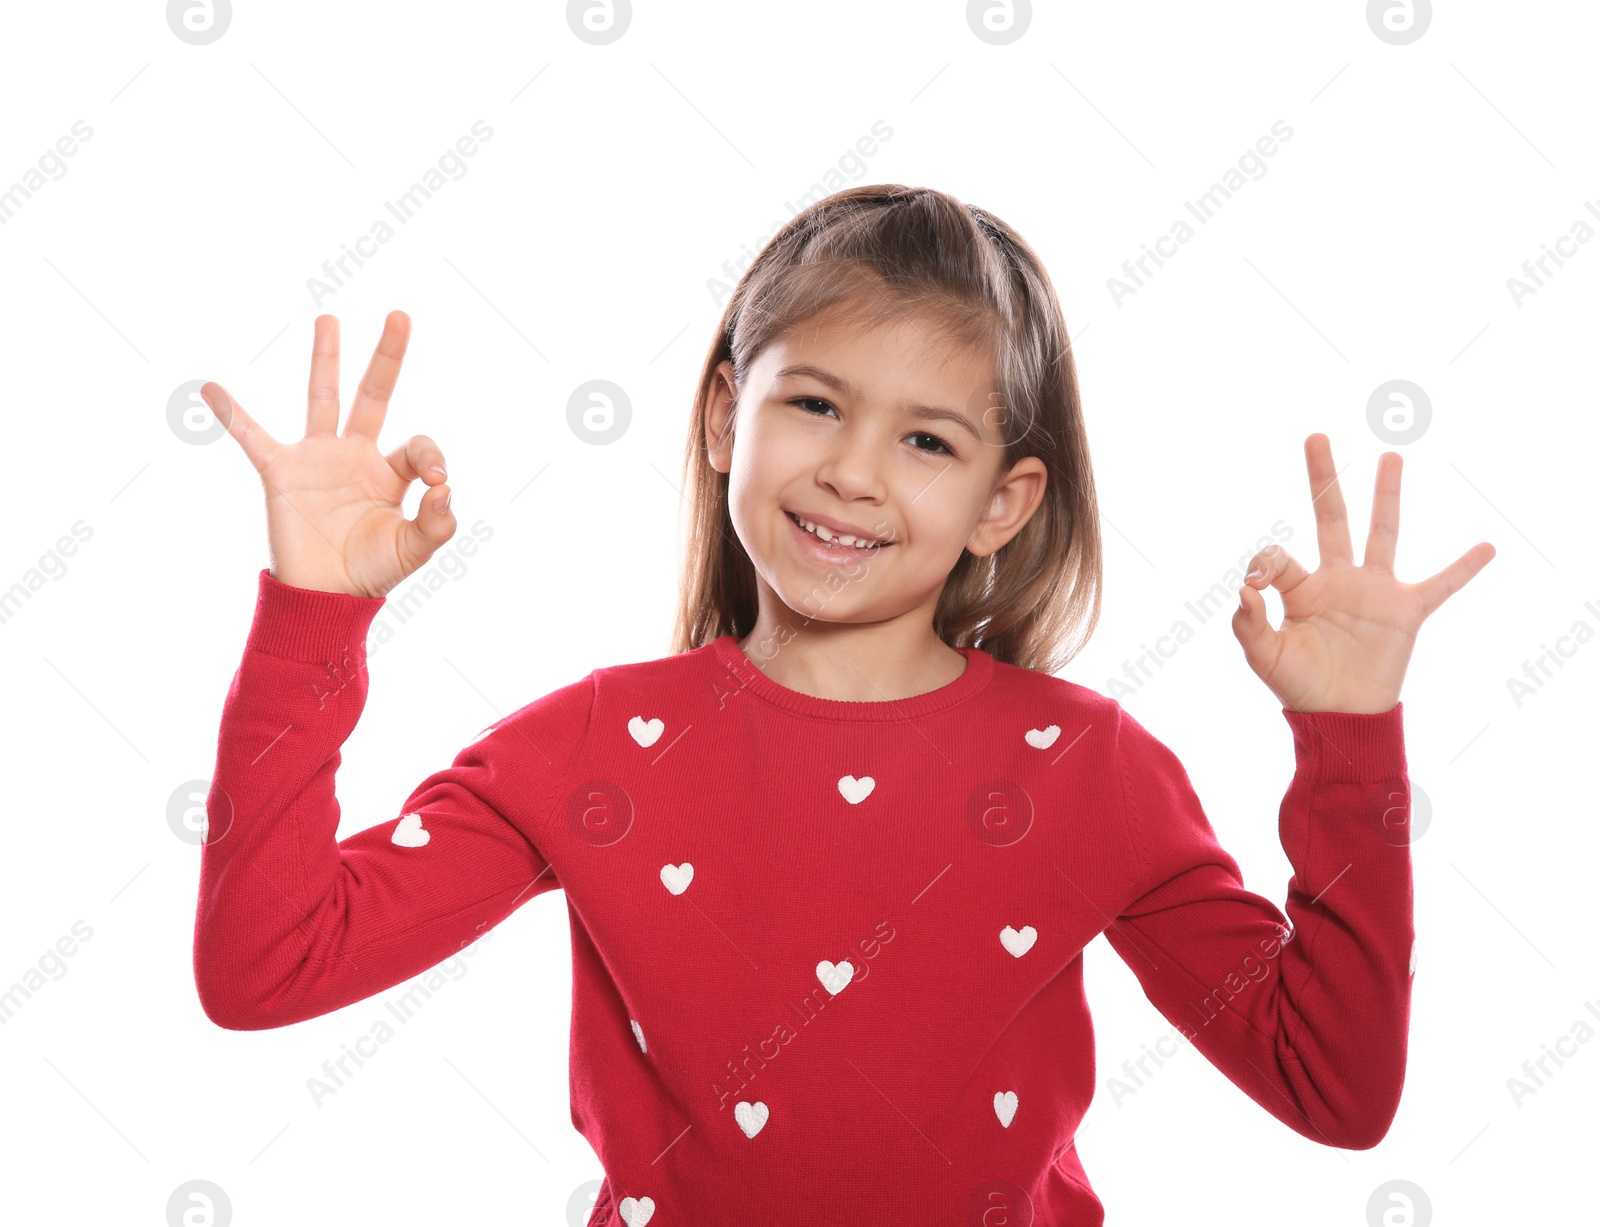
[
  {"x": 1308, "y": 1017},
  {"x": 291, "y": 922}
]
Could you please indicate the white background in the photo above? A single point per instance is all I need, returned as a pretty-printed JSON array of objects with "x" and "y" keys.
[{"x": 178, "y": 245}]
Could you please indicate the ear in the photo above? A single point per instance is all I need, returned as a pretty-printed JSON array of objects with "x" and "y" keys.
[
  {"x": 1009, "y": 508},
  {"x": 720, "y": 404}
]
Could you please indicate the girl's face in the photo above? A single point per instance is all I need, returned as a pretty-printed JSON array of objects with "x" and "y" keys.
[{"x": 889, "y": 436}]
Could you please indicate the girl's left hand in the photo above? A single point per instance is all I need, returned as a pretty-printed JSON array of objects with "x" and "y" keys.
[{"x": 1347, "y": 631}]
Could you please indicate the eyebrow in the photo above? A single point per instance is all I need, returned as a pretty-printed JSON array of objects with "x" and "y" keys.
[{"x": 839, "y": 384}]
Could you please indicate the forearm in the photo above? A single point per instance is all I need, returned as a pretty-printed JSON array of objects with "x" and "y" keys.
[
  {"x": 269, "y": 896},
  {"x": 1310, "y": 1018}
]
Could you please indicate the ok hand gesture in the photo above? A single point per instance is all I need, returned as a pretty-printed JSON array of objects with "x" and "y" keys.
[
  {"x": 1347, "y": 630},
  {"x": 333, "y": 501}
]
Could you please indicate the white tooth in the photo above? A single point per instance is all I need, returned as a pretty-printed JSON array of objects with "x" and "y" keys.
[{"x": 861, "y": 543}]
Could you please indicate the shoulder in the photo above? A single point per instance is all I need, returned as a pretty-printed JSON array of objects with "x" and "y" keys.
[
  {"x": 561, "y": 721},
  {"x": 1102, "y": 721},
  {"x": 1016, "y": 680},
  {"x": 661, "y": 674},
  {"x": 1015, "y": 686}
]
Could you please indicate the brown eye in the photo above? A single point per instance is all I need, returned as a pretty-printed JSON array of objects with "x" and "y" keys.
[{"x": 939, "y": 444}]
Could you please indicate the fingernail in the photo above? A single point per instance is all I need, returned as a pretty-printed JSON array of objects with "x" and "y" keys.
[
  {"x": 1254, "y": 573},
  {"x": 439, "y": 471},
  {"x": 444, "y": 503}
]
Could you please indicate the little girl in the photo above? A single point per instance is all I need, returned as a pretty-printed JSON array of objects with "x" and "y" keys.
[{"x": 831, "y": 866}]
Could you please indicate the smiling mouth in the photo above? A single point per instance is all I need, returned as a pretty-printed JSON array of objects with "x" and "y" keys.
[{"x": 832, "y": 540}]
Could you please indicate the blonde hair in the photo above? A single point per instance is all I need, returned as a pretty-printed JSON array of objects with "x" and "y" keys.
[{"x": 880, "y": 251}]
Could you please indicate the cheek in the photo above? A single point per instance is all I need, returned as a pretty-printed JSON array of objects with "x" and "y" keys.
[
  {"x": 936, "y": 511},
  {"x": 763, "y": 469},
  {"x": 763, "y": 447}
]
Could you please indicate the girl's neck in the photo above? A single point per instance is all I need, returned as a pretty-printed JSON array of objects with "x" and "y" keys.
[{"x": 872, "y": 663}]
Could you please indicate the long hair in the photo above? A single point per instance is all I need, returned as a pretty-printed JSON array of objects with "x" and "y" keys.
[{"x": 883, "y": 250}]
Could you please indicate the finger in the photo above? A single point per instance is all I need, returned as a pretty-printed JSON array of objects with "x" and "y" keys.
[
  {"x": 1385, "y": 526},
  {"x": 1436, "y": 589},
  {"x": 1276, "y": 566},
  {"x": 257, "y": 443},
  {"x": 377, "y": 385},
  {"x": 1254, "y": 631},
  {"x": 433, "y": 525},
  {"x": 1333, "y": 530},
  {"x": 322, "y": 400},
  {"x": 418, "y": 456}
]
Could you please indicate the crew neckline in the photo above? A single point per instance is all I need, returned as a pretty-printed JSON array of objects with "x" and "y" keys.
[{"x": 980, "y": 668}]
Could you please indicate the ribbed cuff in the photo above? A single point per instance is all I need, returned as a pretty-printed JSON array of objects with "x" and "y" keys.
[
  {"x": 1354, "y": 746},
  {"x": 306, "y": 625}
]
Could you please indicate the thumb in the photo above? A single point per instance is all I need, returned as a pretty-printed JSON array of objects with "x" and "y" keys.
[
  {"x": 433, "y": 525},
  {"x": 1253, "y": 630}
]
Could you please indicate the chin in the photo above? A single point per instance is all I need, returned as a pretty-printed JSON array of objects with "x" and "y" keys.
[{"x": 815, "y": 606}]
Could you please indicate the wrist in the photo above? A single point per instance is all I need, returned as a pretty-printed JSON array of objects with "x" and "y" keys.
[
  {"x": 308, "y": 624},
  {"x": 1351, "y": 746}
]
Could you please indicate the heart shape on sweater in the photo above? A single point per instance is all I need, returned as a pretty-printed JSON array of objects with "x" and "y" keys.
[
  {"x": 1019, "y": 943},
  {"x": 1005, "y": 1107},
  {"x": 638, "y": 1034},
  {"x": 408, "y": 832},
  {"x": 1042, "y": 739},
  {"x": 750, "y": 1116},
  {"x": 637, "y": 1211},
  {"x": 856, "y": 791},
  {"x": 676, "y": 878},
  {"x": 646, "y": 732},
  {"x": 832, "y": 974}
]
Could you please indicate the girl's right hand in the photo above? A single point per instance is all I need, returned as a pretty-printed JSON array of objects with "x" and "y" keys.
[{"x": 334, "y": 522}]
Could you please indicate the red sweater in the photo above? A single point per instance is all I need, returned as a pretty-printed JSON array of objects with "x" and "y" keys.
[{"x": 827, "y": 956}]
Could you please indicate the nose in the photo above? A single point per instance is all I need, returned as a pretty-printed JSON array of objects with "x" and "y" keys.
[{"x": 852, "y": 467}]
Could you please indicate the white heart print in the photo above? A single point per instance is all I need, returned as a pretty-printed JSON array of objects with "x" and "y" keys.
[
  {"x": 638, "y": 1034},
  {"x": 408, "y": 832},
  {"x": 750, "y": 1116},
  {"x": 1005, "y": 1107},
  {"x": 1043, "y": 739},
  {"x": 1412, "y": 970},
  {"x": 832, "y": 974},
  {"x": 1019, "y": 943},
  {"x": 676, "y": 878},
  {"x": 637, "y": 1211},
  {"x": 856, "y": 791},
  {"x": 646, "y": 732}
]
